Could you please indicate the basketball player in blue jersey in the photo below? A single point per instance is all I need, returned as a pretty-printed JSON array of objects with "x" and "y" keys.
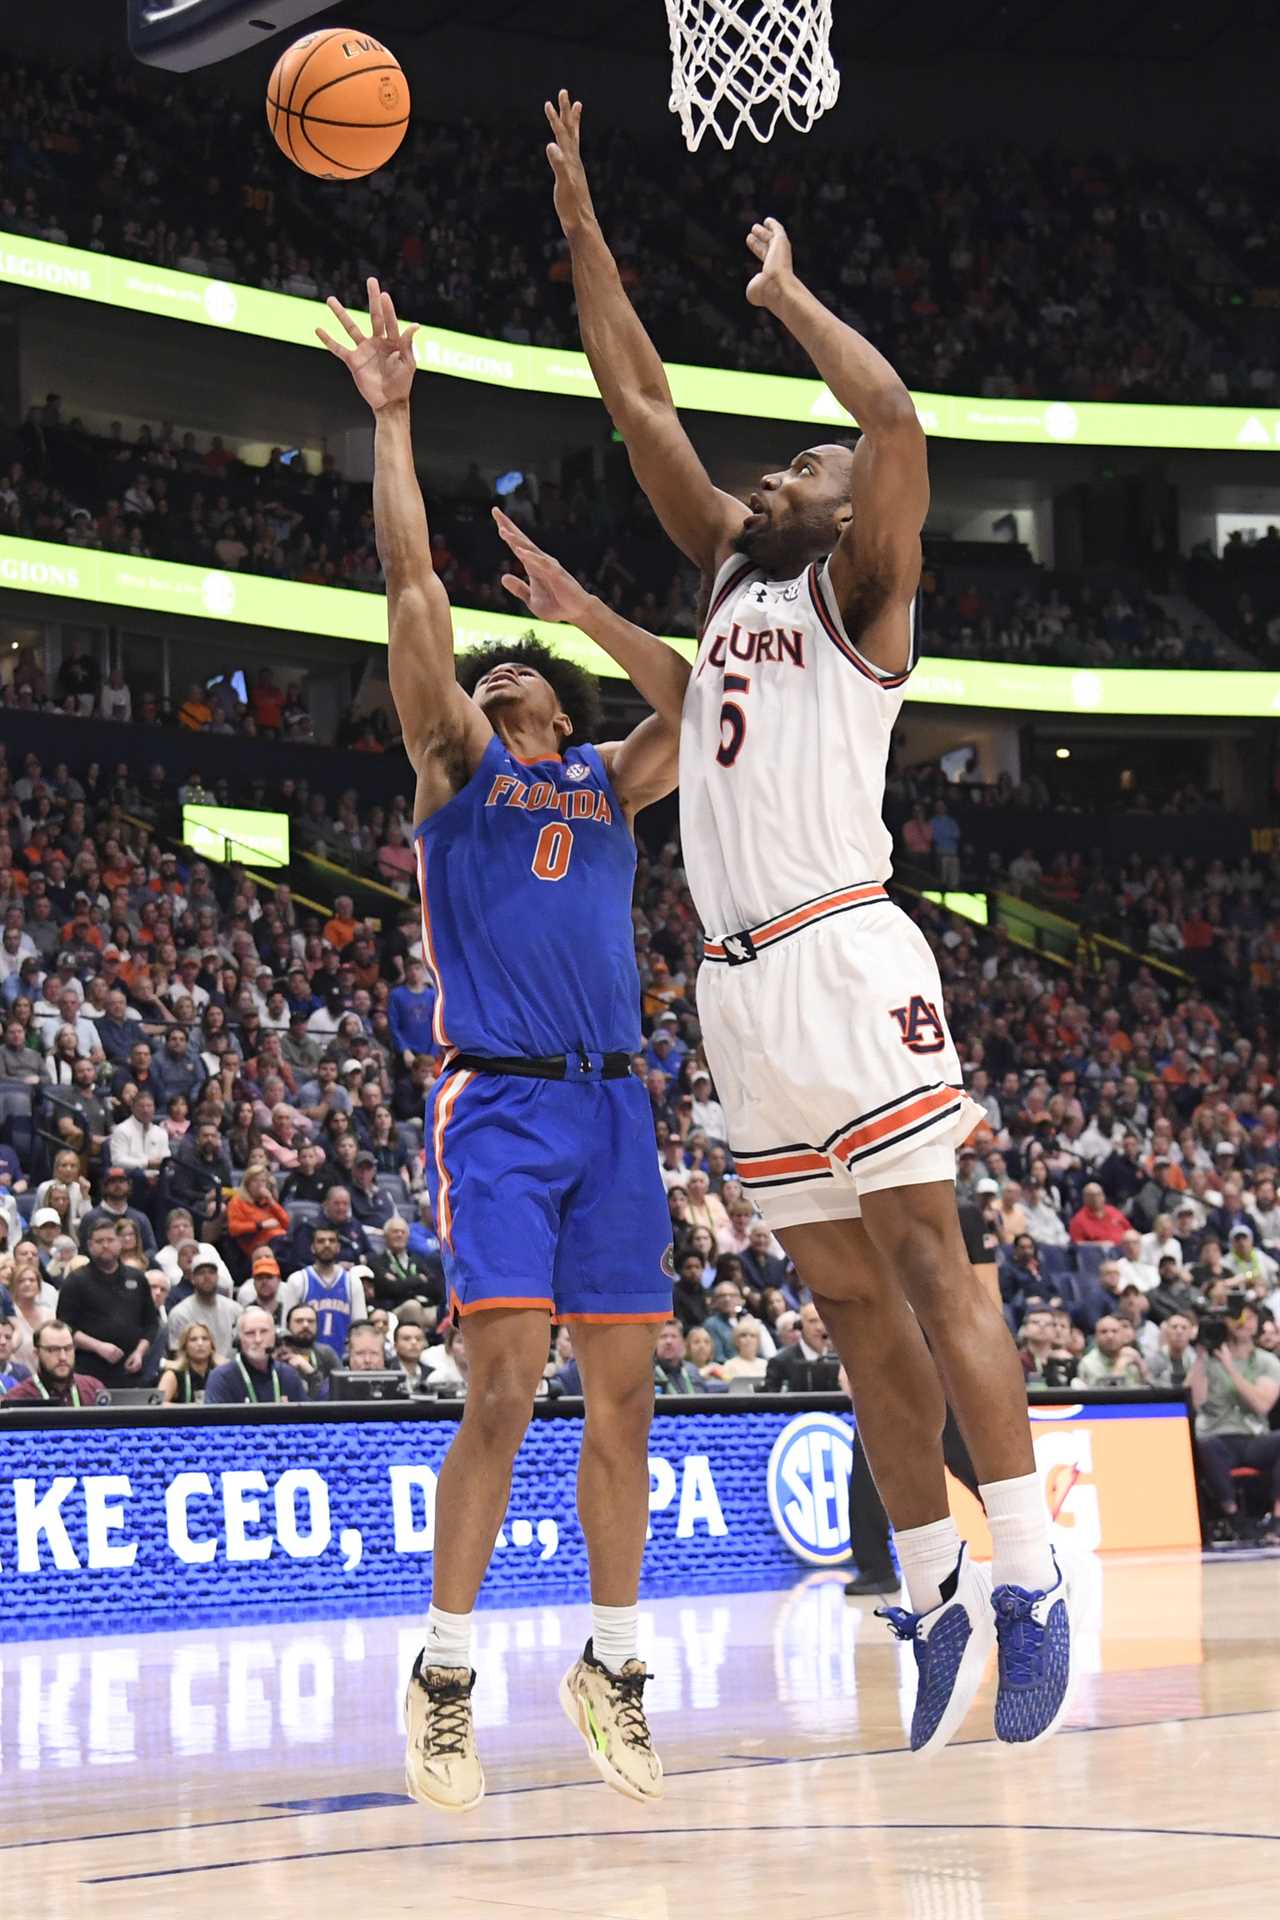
[
  {"x": 540, "y": 1149},
  {"x": 819, "y": 1000}
]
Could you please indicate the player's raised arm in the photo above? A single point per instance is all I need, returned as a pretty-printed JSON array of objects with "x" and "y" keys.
[
  {"x": 875, "y": 568},
  {"x": 643, "y": 766},
  {"x": 444, "y": 731},
  {"x": 701, "y": 519}
]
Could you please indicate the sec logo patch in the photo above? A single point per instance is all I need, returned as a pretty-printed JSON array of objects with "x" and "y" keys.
[{"x": 808, "y": 1483}]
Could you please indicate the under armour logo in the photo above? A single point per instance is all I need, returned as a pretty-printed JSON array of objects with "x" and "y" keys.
[
  {"x": 760, "y": 594},
  {"x": 578, "y": 771},
  {"x": 739, "y": 948}
]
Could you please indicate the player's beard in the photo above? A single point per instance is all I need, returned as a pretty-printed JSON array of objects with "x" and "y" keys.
[{"x": 784, "y": 551}]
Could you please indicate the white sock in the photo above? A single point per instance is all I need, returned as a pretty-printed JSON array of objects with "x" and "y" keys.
[
  {"x": 1019, "y": 1522},
  {"x": 448, "y": 1642},
  {"x": 927, "y": 1555},
  {"x": 615, "y": 1635}
]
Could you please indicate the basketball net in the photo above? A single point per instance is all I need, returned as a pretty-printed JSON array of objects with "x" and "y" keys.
[{"x": 742, "y": 63}]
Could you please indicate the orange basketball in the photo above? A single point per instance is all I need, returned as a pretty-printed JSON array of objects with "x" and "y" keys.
[{"x": 338, "y": 103}]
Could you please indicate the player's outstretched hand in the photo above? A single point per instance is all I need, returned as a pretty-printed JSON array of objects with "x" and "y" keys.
[
  {"x": 768, "y": 241},
  {"x": 381, "y": 362},
  {"x": 572, "y": 195},
  {"x": 550, "y": 593}
]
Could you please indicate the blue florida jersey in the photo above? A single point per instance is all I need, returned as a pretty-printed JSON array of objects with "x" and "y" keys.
[
  {"x": 526, "y": 878},
  {"x": 332, "y": 1302}
]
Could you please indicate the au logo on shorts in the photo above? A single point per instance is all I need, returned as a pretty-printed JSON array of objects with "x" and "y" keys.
[
  {"x": 808, "y": 1480},
  {"x": 668, "y": 1262},
  {"x": 918, "y": 1022}
]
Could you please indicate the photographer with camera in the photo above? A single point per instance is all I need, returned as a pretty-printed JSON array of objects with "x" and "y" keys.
[{"x": 1234, "y": 1385}]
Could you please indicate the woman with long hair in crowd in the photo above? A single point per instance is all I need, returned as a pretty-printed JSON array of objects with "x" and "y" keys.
[
  {"x": 702, "y": 1241},
  {"x": 132, "y": 1252},
  {"x": 61, "y": 1059},
  {"x": 185, "y": 1374},
  {"x": 254, "y": 1216},
  {"x": 26, "y": 1286},
  {"x": 244, "y": 1136},
  {"x": 384, "y": 1145},
  {"x": 747, "y": 1364}
]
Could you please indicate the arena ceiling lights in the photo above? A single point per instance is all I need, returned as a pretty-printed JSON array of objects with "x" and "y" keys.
[
  {"x": 138, "y": 288},
  {"x": 87, "y": 577}
]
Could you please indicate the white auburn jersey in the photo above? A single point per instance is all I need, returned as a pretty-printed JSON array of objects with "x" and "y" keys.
[
  {"x": 783, "y": 750},
  {"x": 819, "y": 999}
]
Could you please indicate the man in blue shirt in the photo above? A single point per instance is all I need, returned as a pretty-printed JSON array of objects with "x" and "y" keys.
[
  {"x": 253, "y": 1375},
  {"x": 12, "y": 1372},
  {"x": 410, "y": 1012},
  {"x": 178, "y": 1070},
  {"x": 119, "y": 1029}
]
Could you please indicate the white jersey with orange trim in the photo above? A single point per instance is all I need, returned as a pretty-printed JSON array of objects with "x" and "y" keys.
[
  {"x": 819, "y": 999},
  {"x": 784, "y": 745}
]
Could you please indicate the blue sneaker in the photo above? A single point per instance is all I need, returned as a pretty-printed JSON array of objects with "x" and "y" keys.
[
  {"x": 1033, "y": 1636},
  {"x": 951, "y": 1643}
]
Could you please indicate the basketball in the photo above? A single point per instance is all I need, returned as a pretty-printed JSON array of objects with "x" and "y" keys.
[{"x": 338, "y": 104}]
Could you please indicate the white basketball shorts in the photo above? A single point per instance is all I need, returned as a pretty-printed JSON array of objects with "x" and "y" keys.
[{"x": 825, "y": 1032}]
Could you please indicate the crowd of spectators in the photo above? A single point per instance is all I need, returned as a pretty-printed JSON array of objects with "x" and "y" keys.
[
  {"x": 1036, "y": 618},
  {"x": 1214, "y": 922},
  {"x": 212, "y": 1114},
  {"x": 162, "y": 494},
  {"x": 1032, "y": 273}
]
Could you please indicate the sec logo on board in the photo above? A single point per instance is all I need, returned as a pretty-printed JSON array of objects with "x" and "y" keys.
[{"x": 808, "y": 1478}]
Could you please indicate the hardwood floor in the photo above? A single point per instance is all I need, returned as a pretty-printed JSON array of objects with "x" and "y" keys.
[{"x": 259, "y": 1767}]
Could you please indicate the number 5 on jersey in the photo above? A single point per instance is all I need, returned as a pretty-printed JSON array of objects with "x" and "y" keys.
[
  {"x": 733, "y": 719},
  {"x": 553, "y": 852}
]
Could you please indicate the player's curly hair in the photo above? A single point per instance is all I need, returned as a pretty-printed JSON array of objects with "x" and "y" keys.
[{"x": 575, "y": 688}]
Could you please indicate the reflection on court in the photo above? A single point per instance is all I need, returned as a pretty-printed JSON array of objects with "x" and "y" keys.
[{"x": 267, "y": 1758}]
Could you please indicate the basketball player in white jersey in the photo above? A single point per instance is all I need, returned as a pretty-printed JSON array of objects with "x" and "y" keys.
[{"x": 820, "y": 1001}]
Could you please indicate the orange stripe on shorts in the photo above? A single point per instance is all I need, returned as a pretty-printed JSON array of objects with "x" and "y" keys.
[{"x": 892, "y": 1123}]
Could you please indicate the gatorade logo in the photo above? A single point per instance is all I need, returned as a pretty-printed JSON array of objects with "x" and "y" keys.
[{"x": 808, "y": 1481}]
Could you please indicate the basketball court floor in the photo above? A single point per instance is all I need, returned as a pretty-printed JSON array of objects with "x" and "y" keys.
[{"x": 257, "y": 1769}]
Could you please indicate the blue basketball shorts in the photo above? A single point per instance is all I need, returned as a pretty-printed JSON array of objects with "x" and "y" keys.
[{"x": 547, "y": 1194}]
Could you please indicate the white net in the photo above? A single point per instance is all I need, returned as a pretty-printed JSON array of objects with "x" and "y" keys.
[{"x": 742, "y": 63}]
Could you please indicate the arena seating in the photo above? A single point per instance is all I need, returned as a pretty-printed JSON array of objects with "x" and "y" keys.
[
  {"x": 166, "y": 495},
  {"x": 1083, "y": 279}
]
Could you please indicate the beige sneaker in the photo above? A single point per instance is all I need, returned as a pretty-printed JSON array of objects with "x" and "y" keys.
[
  {"x": 441, "y": 1766},
  {"x": 608, "y": 1710}
]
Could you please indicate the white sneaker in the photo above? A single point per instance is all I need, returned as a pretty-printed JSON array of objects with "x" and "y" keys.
[
  {"x": 441, "y": 1766},
  {"x": 607, "y": 1708},
  {"x": 952, "y": 1644}
]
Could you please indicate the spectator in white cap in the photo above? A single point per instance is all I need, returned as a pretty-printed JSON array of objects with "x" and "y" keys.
[
  {"x": 707, "y": 1112},
  {"x": 1247, "y": 1260},
  {"x": 1188, "y": 1224},
  {"x": 46, "y": 1225},
  {"x": 206, "y": 1305}
]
